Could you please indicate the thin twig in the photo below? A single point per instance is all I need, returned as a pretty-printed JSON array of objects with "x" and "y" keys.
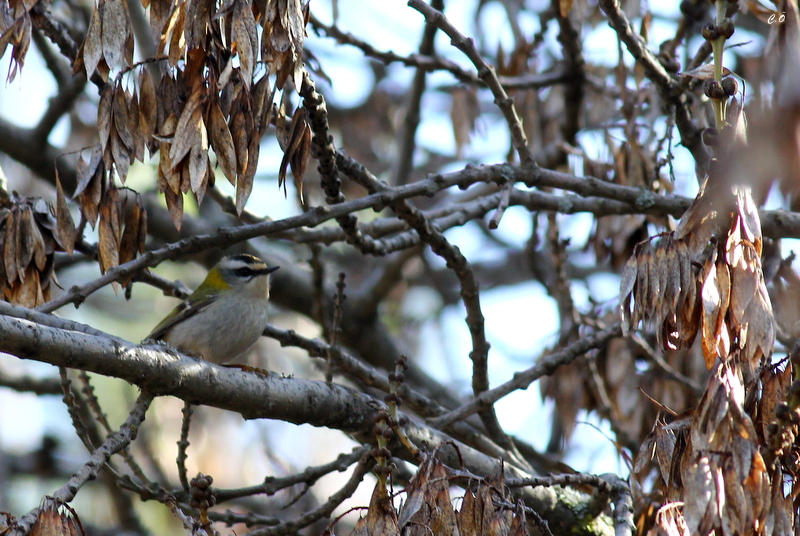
[
  {"x": 326, "y": 509},
  {"x": 437, "y": 63},
  {"x": 523, "y": 379},
  {"x": 485, "y": 72},
  {"x": 183, "y": 444},
  {"x": 115, "y": 442},
  {"x": 408, "y": 132}
]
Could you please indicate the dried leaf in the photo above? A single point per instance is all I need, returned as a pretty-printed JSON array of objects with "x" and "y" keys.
[
  {"x": 117, "y": 36},
  {"x": 188, "y": 128},
  {"x": 244, "y": 183},
  {"x": 177, "y": 43},
  {"x": 105, "y": 113},
  {"x": 705, "y": 72},
  {"x": 10, "y": 248},
  {"x": 122, "y": 158},
  {"x": 198, "y": 159},
  {"x": 121, "y": 121},
  {"x": 222, "y": 142},
  {"x": 134, "y": 126},
  {"x": 165, "y": 166},
  {"x": 245, "y": 39},
  {"x": 93, "y": 45},
  {"x": 175, "y": 205},
  {"x": 148, "y": 106},
  {"x": 66, "y": 233},
  {"x": 108, "y": 233}
]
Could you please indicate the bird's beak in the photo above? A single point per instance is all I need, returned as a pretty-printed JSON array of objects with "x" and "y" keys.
[{"x": 267, "y": 270}]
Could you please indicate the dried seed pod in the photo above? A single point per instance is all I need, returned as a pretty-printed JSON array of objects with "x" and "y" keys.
[
  {"x": 730, "y": 86},
  {"x": 726, "y": 28},
  {"x": 710, "y": 136},
  {"x": 713, "y": 89},
  {"x": 710, "y": 32}
]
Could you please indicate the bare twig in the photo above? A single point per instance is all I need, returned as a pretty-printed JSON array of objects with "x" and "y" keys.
[
  {"x": 523, "y": 379},
  {"x": 437, "y": 63},
  {"x": 405, "y": 157},
  {"x": 485, "y": 72},
  {"x": 115, "y": 442}
]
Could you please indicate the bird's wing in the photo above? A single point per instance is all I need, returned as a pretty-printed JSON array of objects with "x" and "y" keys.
[{"x": 179, "y": 314}]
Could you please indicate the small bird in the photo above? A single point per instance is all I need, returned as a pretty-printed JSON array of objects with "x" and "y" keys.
[{"x": 225, "y": 316}]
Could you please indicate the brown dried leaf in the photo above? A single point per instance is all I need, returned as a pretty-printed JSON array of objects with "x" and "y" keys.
[
  {"x": 244, "y": 183},
  {"x": 134, "y": 126},
  {"x": 165, "y": 167},
  {"x": 222, "y": 142},
  {"x": 715, "y": 296},
  {"x": 24, "y": 232},
  {"x": 262, "y": 104},
  {"x": 121, "y": 121},
  {"x": 161, "y": 11},
  {"x": 10, "y": 260},
  {"x": 65, "y": 232},
  {"x": 51, "y": 522},
  {"x": 148, "y": 106},
  {"x": 188, "y": 128},
  {"x": 108, "y": 239},
  {"x": 175, "y": 204},
  {"x": 705, "y": 72},
  {"x": 241, "y": 139},
  {"x": 105, "y": 113},
  {"x": 294, "y": 141},
  {"x": 93, "y": 45},
  {"x": 198, "y": 17},
  {"x": 90, "y": 197},
  {"x": 87, "y": 170},
  {"x": 177, "y": 43},
  {"x": 117, "y": 34},
  {"x": 122, "y": 158},
  {"x": 129, "y": 242},
  {"x": 629, "y": 278},
  {"x": 198, "y": 160},
  {"x": 245, "y": 39}
]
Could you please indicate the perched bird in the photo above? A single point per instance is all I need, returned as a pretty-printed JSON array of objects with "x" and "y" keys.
[{"x": 225, "y": 316}]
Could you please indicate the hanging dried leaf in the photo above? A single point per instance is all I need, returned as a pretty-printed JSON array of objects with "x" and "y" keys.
[
  {"x": 121, "y": 121},
  {"x": 282, "y": 40},
  {"x": 105, "y": 113},
  {"x": 148, "y": 109},
  {"x": 93, "y": 44},
  {"x": 198, "y": 160},
  {"x": 66, "y": 233},
  {"x": 222, "y": 141},
  {"x": 165, "y": 165},
  {"x": 109, "y": 232},
  {"x": 175, "y": 205},
  {"x": 28, "y": 241},
  {"x": 177, "y": 43},
  {"x": 245, "y": 38},
  {"x": 188, "y": 127},
  {"x": 244, "y": 183},
  {"x": 51, "y": 522},
  {"x": 297, "y": 150},
  {"x": 117, "y": 34}
]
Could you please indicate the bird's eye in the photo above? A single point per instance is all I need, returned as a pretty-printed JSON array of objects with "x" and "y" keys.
[{"x": 245, "y": 272}]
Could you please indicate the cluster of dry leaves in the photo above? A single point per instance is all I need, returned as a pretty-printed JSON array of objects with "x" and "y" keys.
[
  {"x": 29, "y": 237},
  {"x": 15, "y": 30},
  {"x": 206, "y": 98},
  {"x": 428, "y": 508}
]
